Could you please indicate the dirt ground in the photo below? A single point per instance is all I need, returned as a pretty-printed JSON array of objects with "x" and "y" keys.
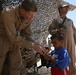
[{"x": 39, "y": 71}]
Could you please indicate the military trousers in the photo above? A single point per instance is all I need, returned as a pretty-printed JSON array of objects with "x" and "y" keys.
[{"x": 14, "y": 57}]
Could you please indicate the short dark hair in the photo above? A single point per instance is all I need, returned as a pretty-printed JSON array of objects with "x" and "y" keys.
[
  {"x": 58, "y": 36},
  {"x": 29, "y": 5}
]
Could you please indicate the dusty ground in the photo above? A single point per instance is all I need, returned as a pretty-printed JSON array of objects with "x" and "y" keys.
[{"x": 41, "y": 71}]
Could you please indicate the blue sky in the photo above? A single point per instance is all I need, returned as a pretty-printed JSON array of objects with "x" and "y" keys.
[{"x": 72, "y": 14}]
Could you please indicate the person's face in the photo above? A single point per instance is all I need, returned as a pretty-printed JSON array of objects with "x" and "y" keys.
[
  {"x": 64, "y": 10},
  {"x": 27, "y": 15},
  {"x": 57, "y": 43}
]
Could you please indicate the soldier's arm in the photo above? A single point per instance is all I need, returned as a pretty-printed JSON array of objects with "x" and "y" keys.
[{"x": 8, "y": 19}]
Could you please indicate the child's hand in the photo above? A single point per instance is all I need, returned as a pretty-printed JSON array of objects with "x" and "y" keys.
[{"x": 47, "y": 57}]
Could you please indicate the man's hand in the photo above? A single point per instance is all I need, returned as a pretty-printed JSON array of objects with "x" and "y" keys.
[
  {"x": 39, "y": 49},
  {"x": 47, "y": 57}
]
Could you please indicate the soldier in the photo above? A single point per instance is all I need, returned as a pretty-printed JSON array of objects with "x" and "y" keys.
[
  {"x": 68, "y": 32},
  {"x": 13, "y": 22}
]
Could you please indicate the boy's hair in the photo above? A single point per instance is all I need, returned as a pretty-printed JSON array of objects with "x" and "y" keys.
[
  {"x": 29, "y": 5},
  {"x": 58, "y": 36}
]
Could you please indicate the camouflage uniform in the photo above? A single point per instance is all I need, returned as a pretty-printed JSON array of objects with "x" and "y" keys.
[
  {"x": 69, "y": 40},
  {"x": 10, "y": 38}
]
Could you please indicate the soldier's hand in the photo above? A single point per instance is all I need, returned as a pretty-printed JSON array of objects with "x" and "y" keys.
[
  {"x": 39, "y": 49},
  {"x": 47, "y": 57}
]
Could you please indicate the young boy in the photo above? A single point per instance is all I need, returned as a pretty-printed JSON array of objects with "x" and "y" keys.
[{"x": 58, "y": 59}]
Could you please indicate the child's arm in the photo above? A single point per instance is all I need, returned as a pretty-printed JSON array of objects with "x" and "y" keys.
[{"x": 48, "y": 57}]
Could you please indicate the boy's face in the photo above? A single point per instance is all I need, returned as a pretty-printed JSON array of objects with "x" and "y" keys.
[{"x": 57, "y": 43}]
